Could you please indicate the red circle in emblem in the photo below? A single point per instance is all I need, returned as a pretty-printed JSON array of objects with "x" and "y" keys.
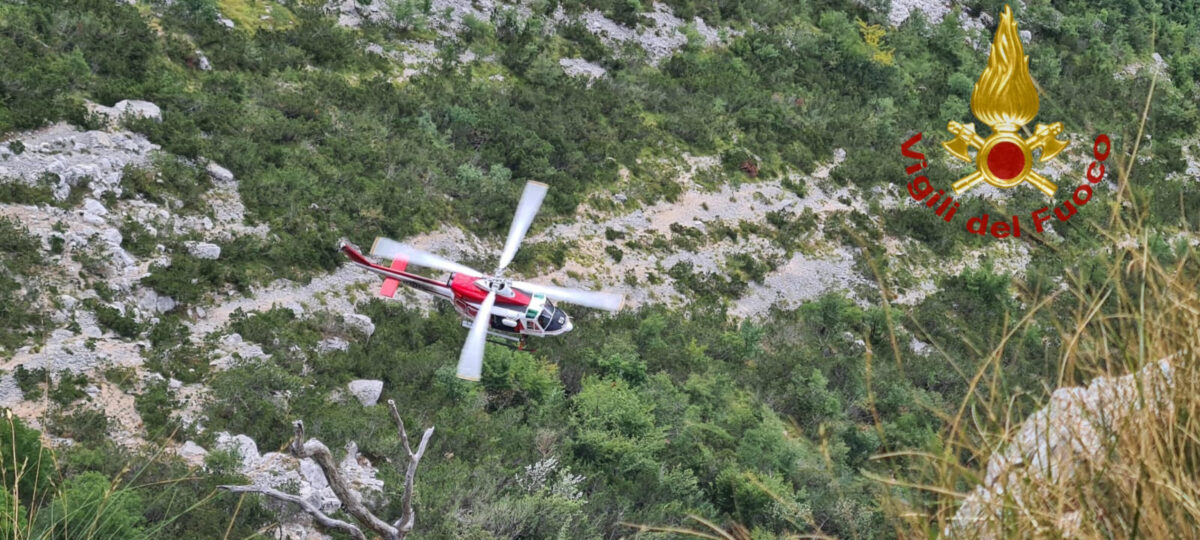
[{"x": 1006, "y": 160}]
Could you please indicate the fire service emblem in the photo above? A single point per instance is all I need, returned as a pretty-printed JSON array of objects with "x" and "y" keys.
[{"x": 1006, "y": 99}]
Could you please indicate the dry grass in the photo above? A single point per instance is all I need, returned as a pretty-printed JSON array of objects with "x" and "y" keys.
[
  {"x": 53, "y": 511},
  {"x": 1117, "y": 459}
]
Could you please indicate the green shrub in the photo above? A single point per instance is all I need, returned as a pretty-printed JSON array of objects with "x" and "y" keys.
[
  {"x": 137, "y": 239},
  {"x": 171, "y": 179},
  {"x": 104, "y": 292},
  {"x": 154, "y": 405},
  {"x": 69, "y": 388},
  {"x": 515, "y": 377},
  {"x": 91, "y": 506},
  {"x": 14, "y": 520},
  {"x": 265, "y": 417},
  {"x": 30, "y": 381},
  {"x": 28, "y": 467},
  {"x": 19, "y": 192},
  {"x": 20, "y": 252},
  {"x": 86, "y": 426},
  {"x": 123, "y": 377},
  {"x": 542, "y": 257},
  {"x": 169, "y": 332},
  {"x": 615, "y": 427},
  {"x": 186, "y": 363},
  {"x": 111, "y": 318}
]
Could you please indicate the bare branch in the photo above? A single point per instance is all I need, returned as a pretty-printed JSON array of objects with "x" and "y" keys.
[
  {"x": 351, "y": 501},
  {"x": 407, "y": 516},
  {"x": 400, "y": 426},
  {"x": 309, "y": 508}
]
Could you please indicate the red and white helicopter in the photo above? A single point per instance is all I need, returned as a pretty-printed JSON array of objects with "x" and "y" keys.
[{"x": 490, "y": 304}]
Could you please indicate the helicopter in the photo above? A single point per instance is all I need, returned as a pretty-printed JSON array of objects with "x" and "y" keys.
[{"x": 490, "y": 304}]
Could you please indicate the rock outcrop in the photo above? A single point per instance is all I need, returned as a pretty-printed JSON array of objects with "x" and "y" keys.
[
  {"x": 128, "y": 108},
  {"x": 275, "y": 469},
  {"x": 203, "y": 250},
  {"x": 367, "y": 392},
  {"x": 68, "y": 156},
  {"x": 359, "y": 323},
  {"x": 1073, "y": 433}
]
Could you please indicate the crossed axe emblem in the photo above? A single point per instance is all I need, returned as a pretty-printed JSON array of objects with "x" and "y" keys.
[{"x": 1004, "y": 159}]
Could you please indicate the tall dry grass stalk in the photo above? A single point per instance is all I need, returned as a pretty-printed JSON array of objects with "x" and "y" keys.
[
  {"x": 50, "y": 512},
  {"x": 1117, "y": 458}
]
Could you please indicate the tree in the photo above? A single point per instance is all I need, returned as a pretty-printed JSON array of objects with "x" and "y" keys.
[{"x": 351, "y": 500}]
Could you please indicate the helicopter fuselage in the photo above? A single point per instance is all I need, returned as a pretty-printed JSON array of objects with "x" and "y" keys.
[{"x": 515, "y": 312}]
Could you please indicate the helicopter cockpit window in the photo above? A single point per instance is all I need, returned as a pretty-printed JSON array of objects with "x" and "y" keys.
[{"x": 545, "y": 316}]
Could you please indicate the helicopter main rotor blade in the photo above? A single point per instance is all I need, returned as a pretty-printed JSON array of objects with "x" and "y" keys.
[
  {"x": 390, "y": 249},
  {"x": 580, "y": 297},
  {"x": 531, "y": 201},
  {"x": 470, "y": 362}
]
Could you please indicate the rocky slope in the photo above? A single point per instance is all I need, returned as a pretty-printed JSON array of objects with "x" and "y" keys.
[
  {"x": 90, "y": 165},
  {"x": 95, "y": 161}
]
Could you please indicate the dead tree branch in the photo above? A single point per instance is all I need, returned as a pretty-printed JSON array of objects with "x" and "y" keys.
[
  {"x": 320, "y": 517},
  {"x": 302, "y": 447},
  {"x": 408, "y": 516}
]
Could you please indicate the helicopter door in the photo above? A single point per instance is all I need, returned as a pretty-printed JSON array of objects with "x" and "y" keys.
[
  {"x": 505, "y": 324},
  {"x": 532, "y": 311}
]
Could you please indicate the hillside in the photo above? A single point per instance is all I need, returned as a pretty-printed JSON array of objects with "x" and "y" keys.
[{"x": 804, "y": 349}]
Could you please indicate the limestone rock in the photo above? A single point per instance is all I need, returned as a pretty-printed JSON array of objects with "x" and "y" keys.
[
  {"x": 359, "y": 323},
  {"x": 274, "y": 469},
  {"x": 367, "y": 391},
  {"x": 139, "y": 109},
  {"x": 333, "y": 344},
  {"x": 231, "y": 347},
  {"x": 127, "y": 108},
  {"x": 10, "y": 392},
  {"x": 579, "y": 67},
  {"x": 92, "y": 206},
  {"x": 660, "y": 38},
  {"x": 353, "y": 13},
  {"x": 933, "y": 10},
  {"x": 192, "y": 453},
  {"x": 203, "y": 62},
  {"x": 1070, "y": 434},
  {"x": 68, "y": 302},
  {"x": 203, "y": 250},
  {"x": 219, "y": 174},
  {"x": 358, "y": 469},
  {"x": 243, "y": 446},
  {"x": 151, "y": 301},
  {"x": 70, "y": 155}
]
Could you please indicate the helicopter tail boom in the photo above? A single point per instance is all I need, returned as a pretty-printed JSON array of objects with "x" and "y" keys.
[{"x": 395, "y": 275}]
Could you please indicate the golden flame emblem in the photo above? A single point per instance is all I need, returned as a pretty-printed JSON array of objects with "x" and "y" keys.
[{"x": 1005, "y": 99}]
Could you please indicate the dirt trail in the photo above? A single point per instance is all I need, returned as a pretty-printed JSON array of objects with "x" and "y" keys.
[{"x": 802, "y": 277}]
